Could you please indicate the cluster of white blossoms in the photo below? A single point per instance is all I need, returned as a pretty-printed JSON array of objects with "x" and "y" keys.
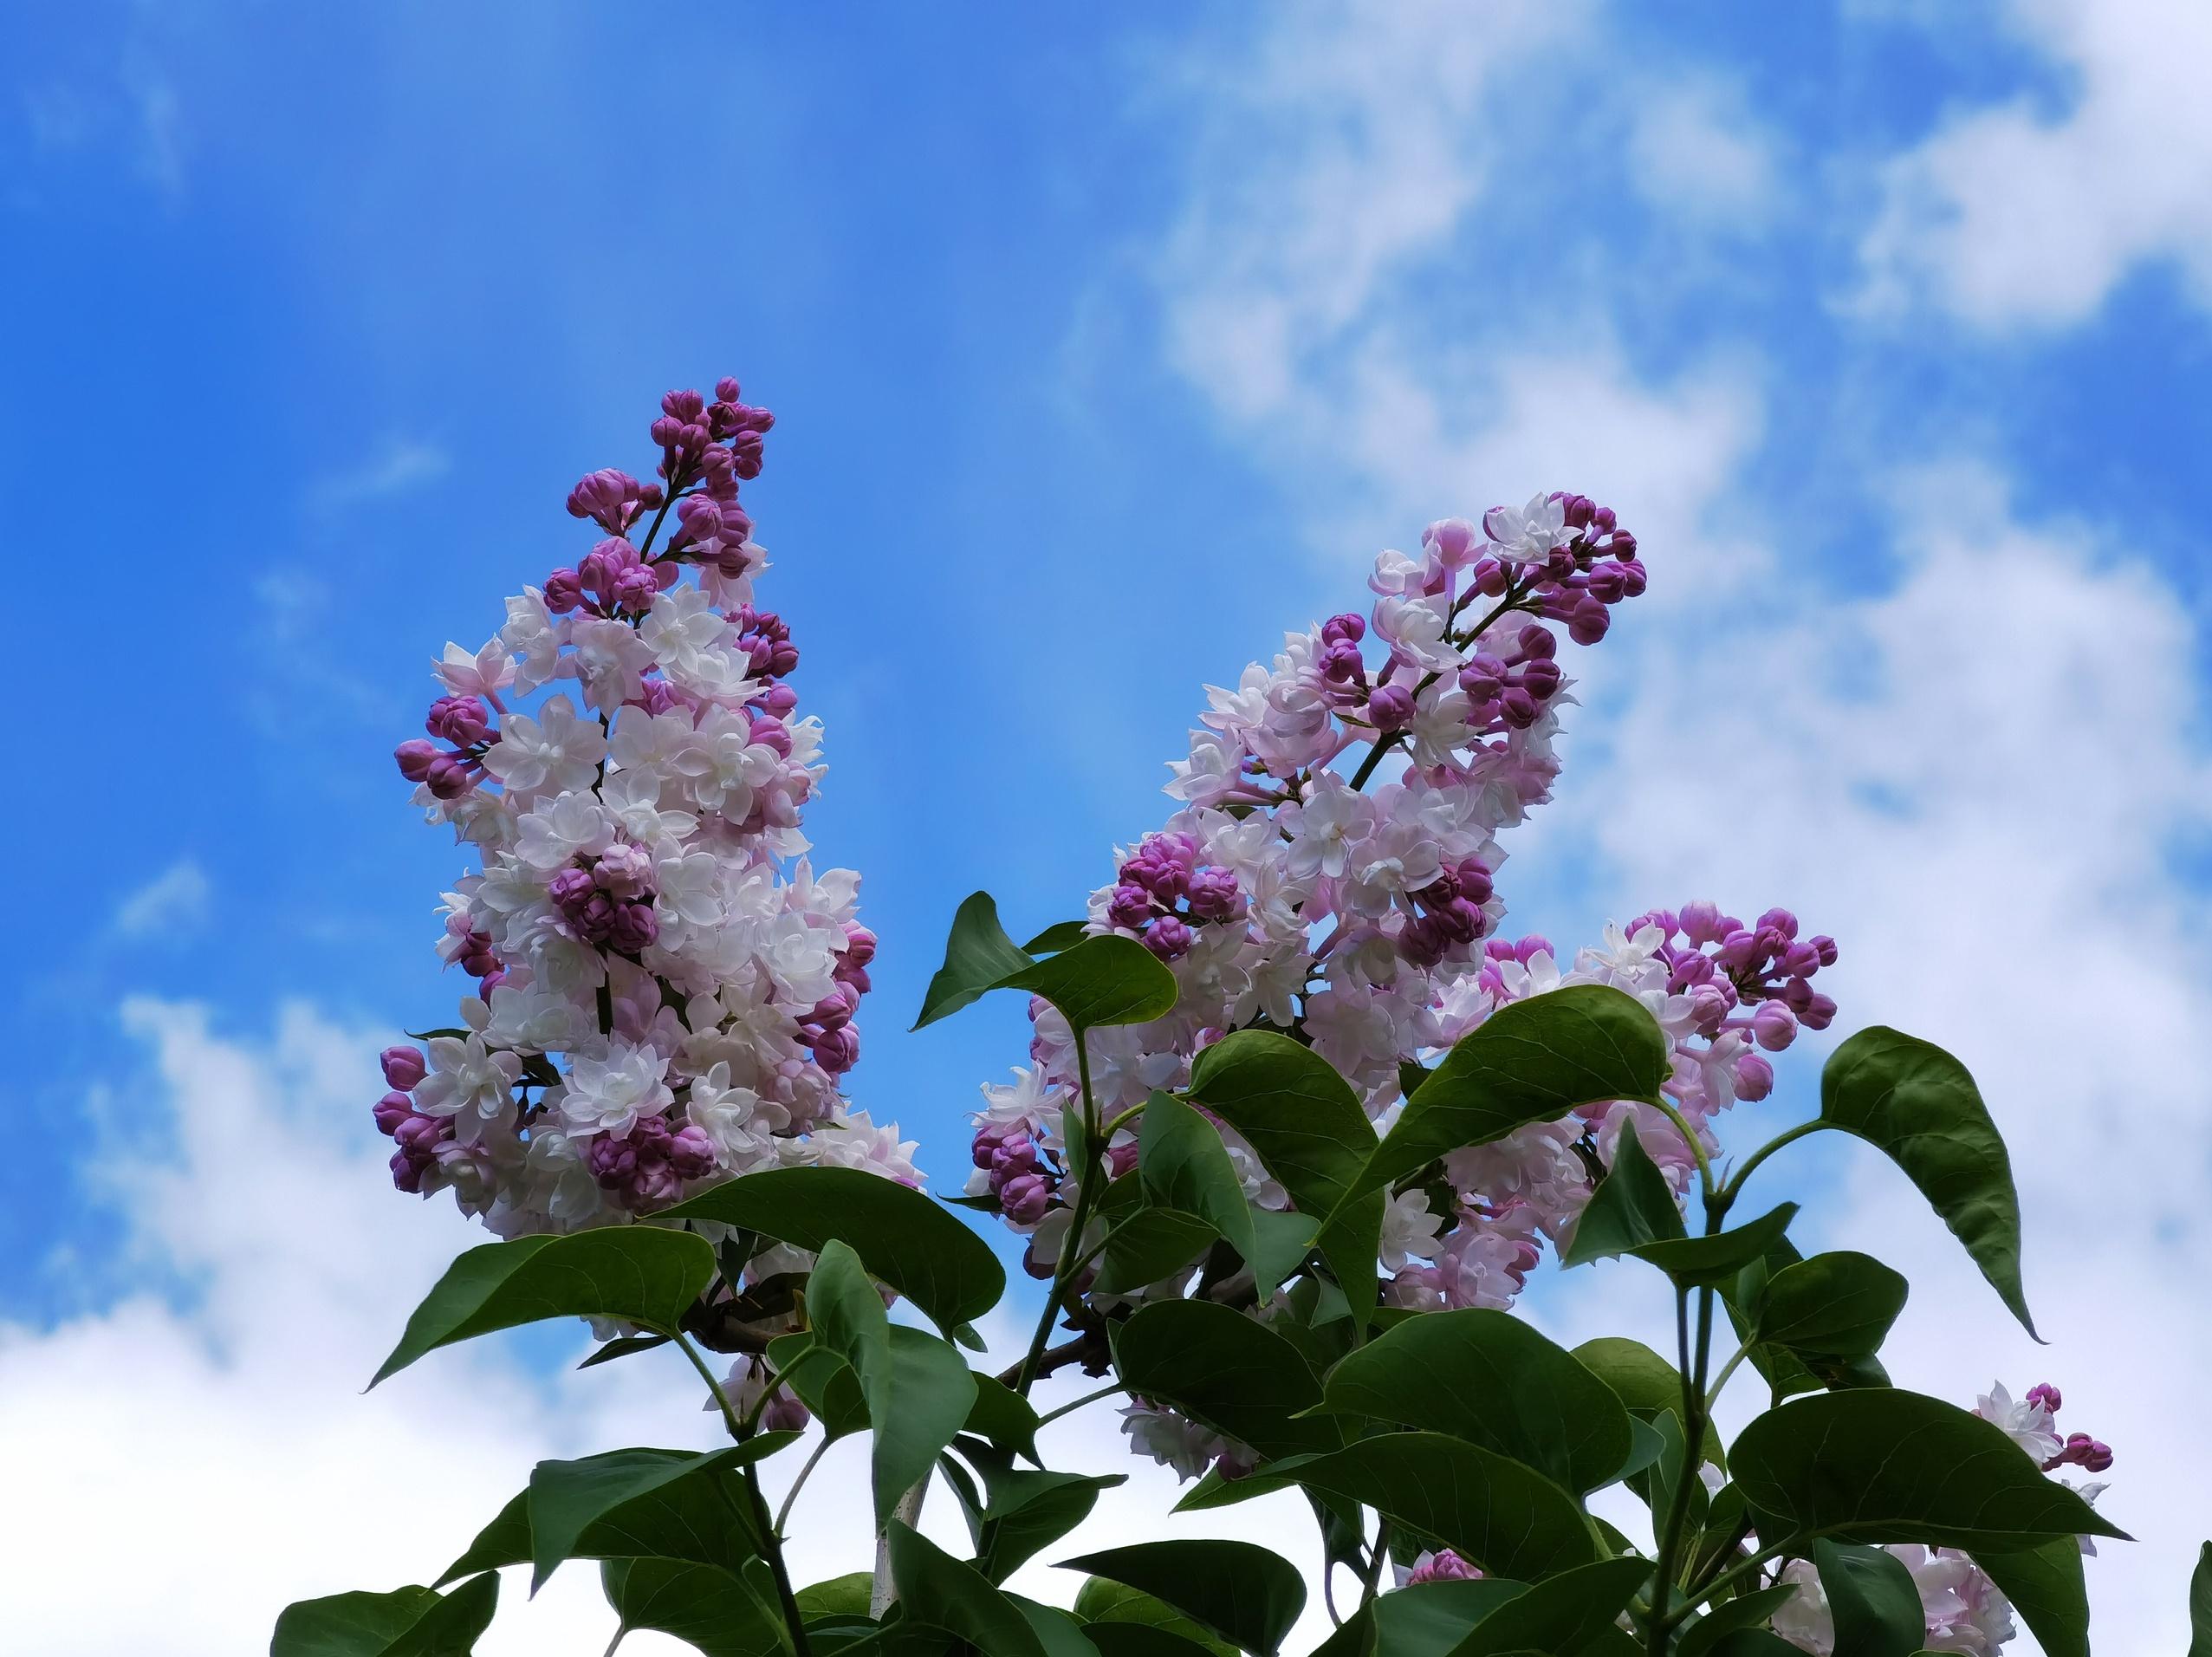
[{"x": 666, "y": 987}]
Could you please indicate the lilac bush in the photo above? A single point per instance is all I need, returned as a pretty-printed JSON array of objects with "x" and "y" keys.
[{"x": 1299, "y": 1121}]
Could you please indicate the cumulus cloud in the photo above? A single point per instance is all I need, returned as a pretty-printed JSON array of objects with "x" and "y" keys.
[
  {"x": 2029, "y": 210},
  {"x": 172, "y": 902},
  {"x": 1965, "y": 744},
  {"x": 202, "y": 1457}
]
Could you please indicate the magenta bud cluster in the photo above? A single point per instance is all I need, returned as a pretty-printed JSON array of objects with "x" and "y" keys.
[
  {"x": 1020, "y": 1177},
  {"x": 646, "y": 1168},
  {"x": 1582, "y": 576},
  {"x": 1449, "y": 913},
  {"x": 1166, "y": 890}
]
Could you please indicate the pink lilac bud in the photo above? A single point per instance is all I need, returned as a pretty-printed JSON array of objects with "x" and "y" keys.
[
  {"x": 1422, "y": 942},
  {"x": 564, "y": 591},
  {"x": 838, "y": 1051},
  {"x": 1443, "y": 1566},
  {"x": 634, "y": 928},
  {"x": 771, "y": 733},
  {"x": 623, "y": 869},
  {"x": 1483, "y": 677},
  {"x": 658, "y": 696},
  {"x": 1390, "y": 707},
  {"x": 1518, "y": 708},
  {"x": 635, "y": 588},
  {"x": 1130, "y": 906},
  {"x": 391, "y": 1111},
  {"x": 1215, "y": 894},
  {"x": 415, "y": 759},
  {"x": 611, "y": 1161},
  {"x": 1589, "y": 621},
  {"x": 860, "y": 944},
  {"x": 449, "y": 776},
  {"x": 691, "y": 1153},
  {"x": 784, "y": 1412},
  {"x": 1541, "y": 677},
  {"x": 569, "y": 887},
  {"x": 1169, "y": 938},
  {"x": 1773, "y": 1026},
  {"x": 460, "y": 720},
  {"x": 1025, "y": 1199},
  {"x": 404, "y": 1068},
  {"x": 609, "y": 498},
  {"x": 1754, "y": 1077},
  {"x": 2044, "y": 1394}
]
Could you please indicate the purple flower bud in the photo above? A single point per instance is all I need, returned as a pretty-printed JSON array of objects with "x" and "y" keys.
[
  {"x": 415, "y": 758},
  {"x": 1443, "y": 1566},
  {"x": 1015, "y": 1155},
  {"x": 457, "y": 720},
  {"x": 691, "y": 1153},
  {"x": 1349, "y": 627},
  {"x": 1710, "y": 1004},
  {"x": 1738, "y": 950},
  {"x": 1483, "y": 677},
  {"x": 725, "y": 389},
  {"x": 593, "y": 917},
  {"x": 611, "y": 1161},
  {"x": 449, "y": 776},
  {"x": 1168, "y": 938},
  {"x": 404, "y": 1068},
  {"x": 1623, "y": 544},
  {"x": 1518, "y": 709},
  {"x": 778, "y": 699},
  {"x": 635, "y": 588},
  {"x": 1827, "y": 946},
  {"x": 1537, "y": 643},
  {"x": 1541, "y": 679},
  {"x": 1773, "y": 1026},
  {"x": 1024, "y": 1199},
  {"x": 391, "y": 1111},
  {"x": 1460, "y": 922},
  {"x": 569, "y": 887},
  {"x": 1215, "y": 894},
  {"x": 609, "y": 497},
  {"x": 838, "y": 1051},
  {"x": 1131, "y": 906},
  {"x": 2044, "y": 1394},
  {"x": 1590, "y": 620},
  {"x": 1819, "y": 1011},
  {"x": 564, "y": 591},
  {"x": 623, "y": 869},
  {"x": 682, "y": 404},
  {"x": 1390, "y": 707},
  {"x": 1754, "y": 1077},
  {"x": 1701, "y": 922},
  {"x": 634, "y": 928},
  {"x": 1341, "y": 663}
]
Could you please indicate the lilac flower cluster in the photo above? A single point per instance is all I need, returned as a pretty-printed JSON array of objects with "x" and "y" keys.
[{"x": 665, "y": 989}]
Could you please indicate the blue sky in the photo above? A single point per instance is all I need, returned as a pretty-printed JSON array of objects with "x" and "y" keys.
[{"x": 1105, "y": 343}]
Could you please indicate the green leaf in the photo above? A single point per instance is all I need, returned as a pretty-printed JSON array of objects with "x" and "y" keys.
[
  {"x": 1308, "y": 1129},
  {"x": 822, "y": 1381},
  {"x": 1149, "y": 1244},
  {"x": 1248, "y": 1595},
  {"x": 1002, "y": 1416},
  {"x": 1138, "y": 1639},
  {"x": 978, "y": 957},
  {"x": 904, "y": 1238},
  {"x": 1059, "y": 1634},
  {"x": 406, "y": 1622},
  {"x": 1490, "y": 1378},
  {"x": 1883, "y": 1464},
  {"x": 1020, "y": 1511},
  {"x": 1531, "y": 1061},
  {"x": 1487, "y": 1508},
  {"x": 845, "y": 1595},
  {"x": 1873, "y": 1599},
  {"x": 1061, "y": 934},
  {"x": 1219, "y": 1367},
  {"x": 950, "y": 1594},
  {"x": 1640, "y": 1377},
  {"x": 1750, "y": 1610},
  {"x": 1838, "y": 1305},
  {"x": 1916, "y": 1103},
  {"x": 1563, "y": 1615},
  {"x": 1104, "y": 1605},
  {"x": 1703, "y": 1262},
  {"x": 1095, "y": 980},
  {"x": 2045, "y": 1586},
  {"x": 918, "y": 1389},
  {"x": 642, "y": 1274},
  {"x": 1430, "y": 1619},
  {"x": 708, "y": 1608},
  {"x": 633, "y": 1502},
  {"x": 623, "y": 1346},
  {"x": 2200, "y": 1604},
  {"x": 1184, "y": 1165},
  {"x": 1632, "y": 1207}
]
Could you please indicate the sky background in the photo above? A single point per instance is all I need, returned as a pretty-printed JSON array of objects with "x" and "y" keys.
[{"x": 1107, "y": 342}]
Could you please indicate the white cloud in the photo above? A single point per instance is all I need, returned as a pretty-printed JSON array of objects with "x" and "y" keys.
[
  {"x": 396, "y": 465},
  {"x": 1696, "y": 149},
  {"x": 182, "y": 1475},
  {"x": 2011, "y": 213},
  {"x": 1965, "y": 745},
  {"x": 175, "y": 900}
]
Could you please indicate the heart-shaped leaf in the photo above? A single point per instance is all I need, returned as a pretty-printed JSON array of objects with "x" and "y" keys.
[
  {"x": 1837, "y": 1305},
  {"x": 1532, "y": 1060},
  {"x": 718, "y": 1614},
  {"x": 904, "y": 1238},
  {"x": 1097, "y": 980},
  {"x": 1308, "y": 1129},
  {"x": 1917, "y": 1104},
  {"x": 1490, "y": 1378},
  {"x": 1883, "y": 1464},
  {"x": 1248, "y": 1595},
  {"x": 642, "y": 1274}
]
